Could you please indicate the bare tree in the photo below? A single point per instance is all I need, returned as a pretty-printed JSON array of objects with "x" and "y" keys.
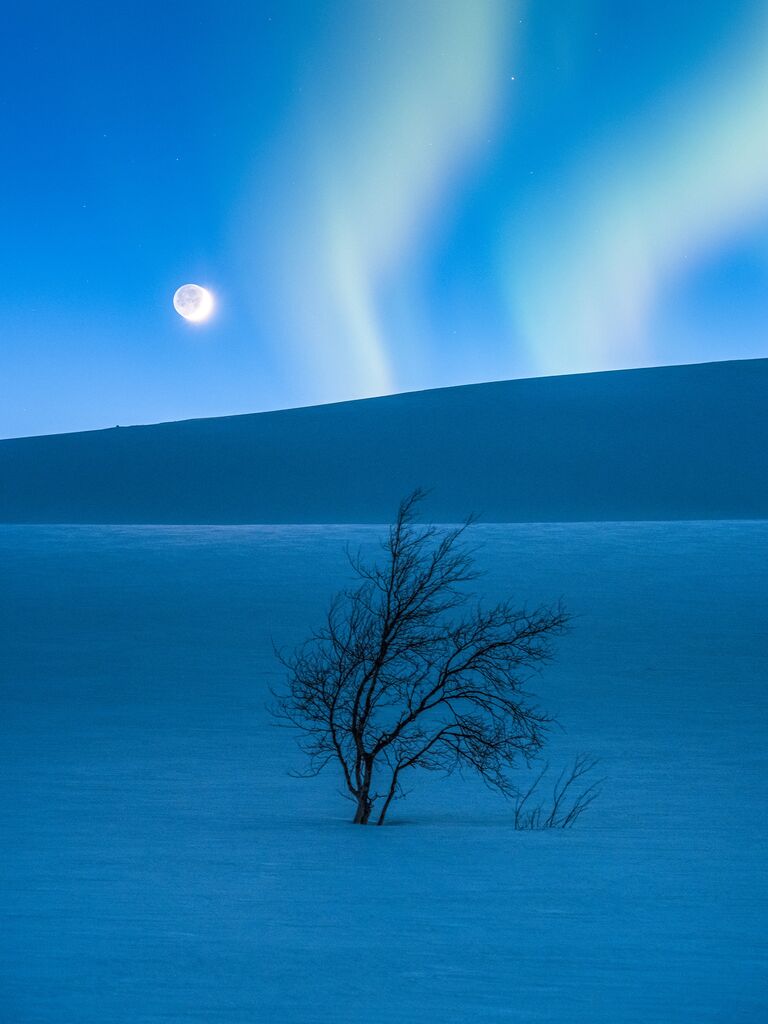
[
  {"x": 567, "y": 801},
  {"x": 409, "y": 673}
]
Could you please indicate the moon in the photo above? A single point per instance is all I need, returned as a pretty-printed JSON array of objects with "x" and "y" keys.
[{"x": 193, "y": 302}]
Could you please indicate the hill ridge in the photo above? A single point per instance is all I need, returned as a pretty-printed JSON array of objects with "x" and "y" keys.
[{"x": 677, "y": 442}]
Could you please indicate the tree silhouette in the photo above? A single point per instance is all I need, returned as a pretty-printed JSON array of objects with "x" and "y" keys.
[{"x": 410, "y": 673}]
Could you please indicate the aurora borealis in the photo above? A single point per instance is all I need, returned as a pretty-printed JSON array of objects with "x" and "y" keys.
[{"x": 383, "y": 197}]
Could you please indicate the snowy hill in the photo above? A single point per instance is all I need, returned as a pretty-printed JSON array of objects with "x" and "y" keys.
[{"x": 680, "y": 442}]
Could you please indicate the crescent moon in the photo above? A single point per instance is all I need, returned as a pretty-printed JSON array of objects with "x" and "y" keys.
[{"x": 193, "y": 302}]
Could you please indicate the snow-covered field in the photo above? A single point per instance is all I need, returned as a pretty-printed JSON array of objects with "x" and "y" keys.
[{"x": 159, "y": 865}]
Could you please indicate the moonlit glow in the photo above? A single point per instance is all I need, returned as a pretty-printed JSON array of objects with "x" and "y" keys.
[{"x": 193, "y": 302}]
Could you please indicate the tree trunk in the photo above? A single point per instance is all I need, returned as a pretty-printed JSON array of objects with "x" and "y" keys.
[
  {"x": 363, "y": 810},
  {"x": 390, "y": 796},
  {"x": 364, "y": 802}
]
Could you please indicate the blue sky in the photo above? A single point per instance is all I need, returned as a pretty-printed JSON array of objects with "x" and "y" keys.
[{"x": 382, "y": 196}]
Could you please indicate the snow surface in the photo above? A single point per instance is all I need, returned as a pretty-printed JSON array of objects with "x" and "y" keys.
[{"x": 158, "y": 864}]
